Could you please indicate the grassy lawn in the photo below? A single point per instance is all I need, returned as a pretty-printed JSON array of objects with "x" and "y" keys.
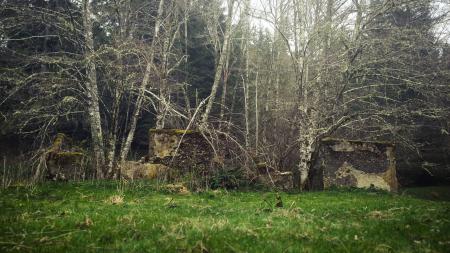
[{"x": 92, "y": 217}]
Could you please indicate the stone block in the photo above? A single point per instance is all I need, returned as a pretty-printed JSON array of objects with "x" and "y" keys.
[
  {"x": 354, "y": 164},
  {"x": 179, "y": 149},
  {"x": 64, "y": 160}
]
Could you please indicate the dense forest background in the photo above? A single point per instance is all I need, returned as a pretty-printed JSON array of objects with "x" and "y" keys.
[{"x": 274, "y": 75}]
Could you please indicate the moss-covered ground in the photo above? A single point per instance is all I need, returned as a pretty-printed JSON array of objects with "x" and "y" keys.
[{"x": 137, "y": 217}]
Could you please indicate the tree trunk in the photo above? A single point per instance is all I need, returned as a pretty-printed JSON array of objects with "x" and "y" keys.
[
  {"x": 114, "y": 129},
  {"x": 306, "y": 143},
  {"x": 92, "y": 92},
  {"x": 220, "y": 66},
  {"x": 246, "y": 79},
  {"x": 224, "y": 89},
  {"x": 256, "y": 114},
  {"x": 246, "y": 113},
  {"x": 137, "y": 108}
]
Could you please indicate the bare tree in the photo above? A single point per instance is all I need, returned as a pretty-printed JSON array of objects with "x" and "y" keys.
[
  {"x": 220, "y": 66},
  {"x": 92, "y": 91},
  {"x": 143, "y": 86}
]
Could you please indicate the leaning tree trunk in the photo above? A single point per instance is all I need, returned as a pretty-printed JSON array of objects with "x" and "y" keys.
[
  {"x": 114, "y": 129},
  {"x": 220, "y": 66},
  {"x": 137, "y": 108},
  {"x": 92, "y": 92}
]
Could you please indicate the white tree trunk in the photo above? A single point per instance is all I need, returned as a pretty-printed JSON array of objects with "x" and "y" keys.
[
  {"x": 246, "y": 113},
  {"x": 306, "y": 142},
  {"x": 256, "y": 114},
  {"x": 220, "y": 66},
  {"x": 92, "y": 92},
  {"x": 224, "y": 89},
  {"x": 137, "y": 108},
  {"x": 246, "y": 81}
]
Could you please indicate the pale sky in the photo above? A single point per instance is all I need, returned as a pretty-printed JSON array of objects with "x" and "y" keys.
[{"x": 441, "y": 7}]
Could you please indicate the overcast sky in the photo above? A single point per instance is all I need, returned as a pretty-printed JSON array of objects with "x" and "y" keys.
[{"x": 441, "y": 7}]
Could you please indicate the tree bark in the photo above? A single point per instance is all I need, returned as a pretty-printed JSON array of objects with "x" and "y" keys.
[
  {"x": 306, "y": 142},
  {"x": 223, "y": 100},
  {"x": 220, "y": 66},
  {"x": 92, "y": 92},
  {"x": 246, "y": 80},
  {"x": 256, "y": 114},
  {"x": 246, "y": 113},
  {"x": 137, "y": 108}
]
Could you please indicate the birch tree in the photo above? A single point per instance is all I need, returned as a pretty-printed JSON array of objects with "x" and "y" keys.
[
  {"x": 143, "y": 86},
  {"x": 325, "y": 42},
  {"x": 92, "y": 92},
  {"x": 220, "y": 65}
]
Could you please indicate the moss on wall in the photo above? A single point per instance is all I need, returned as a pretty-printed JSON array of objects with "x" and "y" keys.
[
  {"x": 356, "y": 164},
  {"x": 167, "y": 146},
  {"x": 172, "y": 131},
  {"x": 64, "y": 160}
]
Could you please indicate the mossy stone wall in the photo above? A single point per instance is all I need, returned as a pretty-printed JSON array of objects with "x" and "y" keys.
[
  {"x": 64, "y": 160},
  {"x": 179, "y": 149},
  {"x": 354, "y": 164}
]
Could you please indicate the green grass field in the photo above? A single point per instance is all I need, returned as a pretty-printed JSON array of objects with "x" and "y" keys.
[{"x": 113, "y": 217}]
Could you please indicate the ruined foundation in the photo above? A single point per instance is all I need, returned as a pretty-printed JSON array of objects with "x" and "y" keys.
[
  {"x": 179, "y": 149},
  {"x": 345, "y": 163},
  {"x": 64, "y": 160},
  {"x": 171, "y": 153}
]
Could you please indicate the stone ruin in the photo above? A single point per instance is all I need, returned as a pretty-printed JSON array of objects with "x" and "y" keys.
[
  {"x": 180, "y": 149},
  {"x": 187, "y": 150},
  {"x": 174, "y": 152},
  {"x": 354, "y": 164},
  {"x": 64, "y": 160}
]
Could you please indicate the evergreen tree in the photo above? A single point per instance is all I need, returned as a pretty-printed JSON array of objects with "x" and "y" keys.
[{"x": 400, "y": 67}]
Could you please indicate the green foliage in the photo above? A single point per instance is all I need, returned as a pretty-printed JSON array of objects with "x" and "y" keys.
[
  {"x": 82, "y": 217},
  {"x": 229, "y": 178},
  {"x": 198, "y": 71}
]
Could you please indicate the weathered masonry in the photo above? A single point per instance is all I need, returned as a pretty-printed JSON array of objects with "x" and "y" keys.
[
  {"x": 185, "y": 151},
  {"x": 64, "y": 160},
  {"x": 171, "y": 153},
  {"x": 354, "y": 164},
  {"x": 180, "y": 149},
  {"x": 175, "y": 153}
]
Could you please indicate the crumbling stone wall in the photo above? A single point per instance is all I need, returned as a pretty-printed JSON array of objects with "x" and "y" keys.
[
  {"x": 64, "y": 160},
  {"x": 354, "y": 164},
  {"x": 179, "y": 149}
]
